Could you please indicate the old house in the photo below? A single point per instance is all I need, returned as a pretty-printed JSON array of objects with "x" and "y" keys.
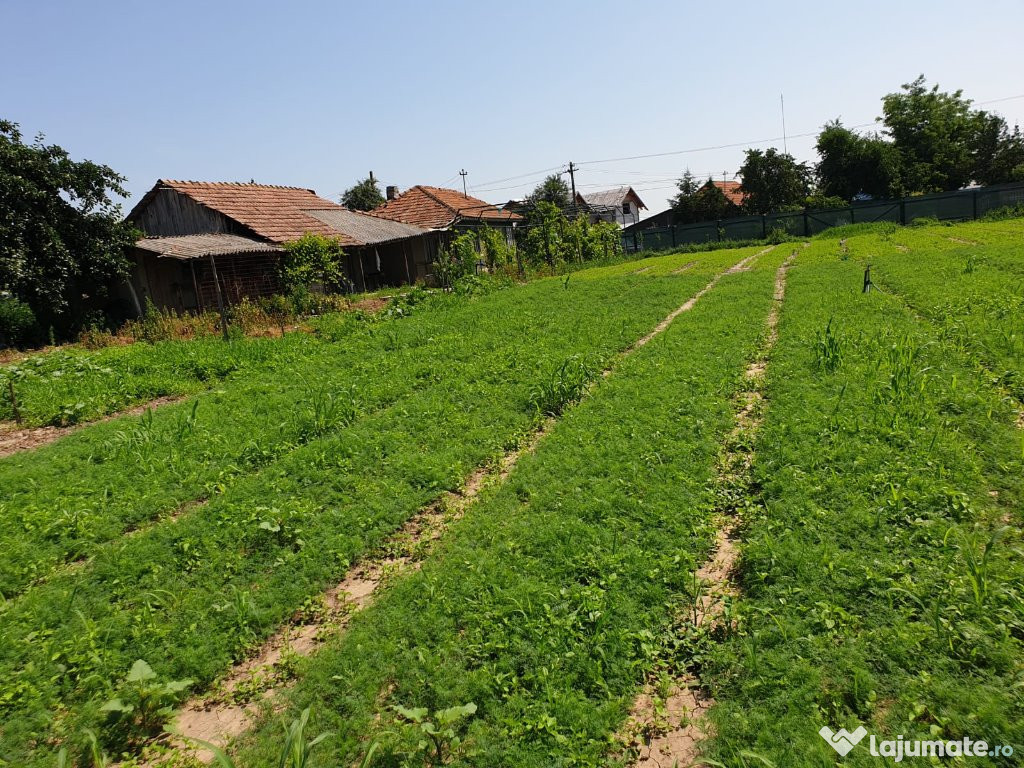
[
  {"x": 201, "y": 235},
  {"x": 620, "y": 205},
  {"x": 442, "y": 209}
]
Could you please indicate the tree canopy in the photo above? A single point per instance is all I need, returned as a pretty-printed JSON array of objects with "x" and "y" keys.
[
  {"x": 63, "y": 243},
  {"x": 944, "y": 144},
  {"x": 773, "y": 181},
  {"x": 552, "y": 190},
  {"x": 851, "y": 164},
  {"x": 697, "y": 202},
  {"x": 364, "y": 195}
]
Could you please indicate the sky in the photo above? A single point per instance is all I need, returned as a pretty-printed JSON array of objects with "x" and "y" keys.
[{"x": 318, "y": 94}]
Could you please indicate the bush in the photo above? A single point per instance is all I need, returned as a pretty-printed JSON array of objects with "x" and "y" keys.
[
  {"x": 18, "y": 326},
  {"x": 1006, "y": 212},
  {"x": 312, "y": 260}
]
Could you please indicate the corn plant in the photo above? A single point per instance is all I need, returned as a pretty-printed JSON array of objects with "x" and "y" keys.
[
  {"x": 563, "y": 386},
  {"x": 828, "y": 349}
]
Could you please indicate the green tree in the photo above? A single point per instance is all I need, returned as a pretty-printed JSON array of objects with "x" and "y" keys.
[
  {"x": 63, "y": 243},
  {"x": 773, "y": 181},
  {"x": 363, "y": 196},
  {"x": 851, "y": 164},
  {"x": 552, "y": 190},
  {"x": 312, "y": 260},
  {"x": 943, "y": 144},
  {"x": 701, "y": 202}
]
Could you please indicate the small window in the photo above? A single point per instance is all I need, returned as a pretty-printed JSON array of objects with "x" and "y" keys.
[{"x": 625, "y": 209}]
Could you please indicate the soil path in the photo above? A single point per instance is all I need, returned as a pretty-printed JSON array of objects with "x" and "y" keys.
[
  {"x": 666, "y": 724},
  {"x": 15, "y": 439}
]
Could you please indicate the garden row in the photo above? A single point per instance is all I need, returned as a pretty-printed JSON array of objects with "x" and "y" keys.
[
  {"x": 193, "y": 593},
  {"x": 546, "y": 604},
  {"x": 881, "y": 571}
]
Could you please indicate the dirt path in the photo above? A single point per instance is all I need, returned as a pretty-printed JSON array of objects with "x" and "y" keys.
[
  {"x": 666, "y": 724},
  {"x": 226, "y": 712},
  {"x": 15, "y": 439}
]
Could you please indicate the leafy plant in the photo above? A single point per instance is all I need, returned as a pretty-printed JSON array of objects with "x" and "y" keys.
[
  {"x": 439, "y": 728},
  {"x": 564, "y": 385},
  {"x": 828, "y": 349},
  {"x": 143, "y": 705}
]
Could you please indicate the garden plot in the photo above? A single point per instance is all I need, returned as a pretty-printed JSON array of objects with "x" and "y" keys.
[{"x": 243, "y": 563}]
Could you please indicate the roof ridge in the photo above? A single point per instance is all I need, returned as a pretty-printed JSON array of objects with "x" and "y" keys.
[{"x": 252, "y": 184}]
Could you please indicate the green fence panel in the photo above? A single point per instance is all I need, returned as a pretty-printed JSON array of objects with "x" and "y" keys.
[{"x": 744, "y": 228}]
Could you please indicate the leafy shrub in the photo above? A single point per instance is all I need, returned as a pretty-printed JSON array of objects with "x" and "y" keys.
[
  {"x": 18, "y": 326},
  {"x": 312, "y": 260},
  {"x": 455, "y": 260},
  {"x": 1004, "y": 213},
  {"x": 142, "y": 706}
]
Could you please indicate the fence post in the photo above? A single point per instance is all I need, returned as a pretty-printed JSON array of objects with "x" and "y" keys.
[
  {"x": 672, "y": 229},
  {"x": 718, "y": 229},
  {"x": 807, "y": 224},
  {"x": 764, "y": 226},
  {"x": 853, "y": 214},
  {"x": 903, "y": 212},
  {"x": 974, "y": 203}
]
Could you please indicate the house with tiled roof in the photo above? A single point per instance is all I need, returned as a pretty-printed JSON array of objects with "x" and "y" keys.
[
  {"x": 201, "y": 236},
  {"x": 441, "y": 209},
  {"x": 620, "y": 205},
  {"x": 732, "y": 190}
]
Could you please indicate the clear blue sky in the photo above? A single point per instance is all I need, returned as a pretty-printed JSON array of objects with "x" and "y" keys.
[{"x": 316, "y": 94}]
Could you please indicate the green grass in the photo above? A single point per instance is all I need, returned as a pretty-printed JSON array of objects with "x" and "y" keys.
[
  {"x": 191, "y": 596},
  {"x": 64, "y": 500},
  {"x": 968, "y": 281},
  {"x": 547, "y": 602},
  {"x": 881, "y": 569}
]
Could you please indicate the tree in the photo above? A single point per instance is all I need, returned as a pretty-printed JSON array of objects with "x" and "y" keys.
[
  {"x": 63, "y": 244},
  {"x": 852, "y": 164},
  {"x": 552, "y": 190},
  {"x": 773, "y": 181},
  {"x": 998, "y": 151},
  {"x": 363, "y": 196},
  {"x": 701, "y": 202}
]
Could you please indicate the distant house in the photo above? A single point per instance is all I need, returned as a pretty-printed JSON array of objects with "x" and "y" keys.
[
  {"x": 442, "y": 209},
  {"x": 620, "y": 205},
  {"x": 203, "y": 234},
  {"x": 733, "y": 191}
]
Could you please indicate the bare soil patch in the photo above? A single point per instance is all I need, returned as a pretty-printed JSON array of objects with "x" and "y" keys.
[{"x": 14, "y": 439}]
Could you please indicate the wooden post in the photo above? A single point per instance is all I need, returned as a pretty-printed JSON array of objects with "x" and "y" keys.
[
  {"x": 195, "y": 286},
  {"x": 867, "y": 279},
  {"x": 14, "y": 402},
  {"x": 220, "y": 298}
]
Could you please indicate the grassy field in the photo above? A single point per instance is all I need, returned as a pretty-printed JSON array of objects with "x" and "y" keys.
[{"x": 879, "y": 573}]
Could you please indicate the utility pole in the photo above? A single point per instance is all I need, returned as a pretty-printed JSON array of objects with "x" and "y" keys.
[
  {"x": 372, "y": 180},
  {"x": 463, "y": 174},
  {"x": 572, "y": 180},
  {"x": 782, "y": 104}
]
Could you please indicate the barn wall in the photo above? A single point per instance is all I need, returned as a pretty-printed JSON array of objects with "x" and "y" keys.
[
  {"x": 165, "y": 282},
  {"x": 172, "y": 213}
]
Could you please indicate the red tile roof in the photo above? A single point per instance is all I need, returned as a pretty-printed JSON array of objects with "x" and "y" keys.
[
  {"x": 277, "y": 214},
  {"x": 436, "y": 208},
  {"x": 733, "y": 191}
]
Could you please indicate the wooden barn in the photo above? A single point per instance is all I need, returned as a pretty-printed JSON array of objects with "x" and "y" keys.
[{"x": 203, "y": 234}]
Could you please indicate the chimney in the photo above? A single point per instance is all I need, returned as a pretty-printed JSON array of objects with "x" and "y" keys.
[{"x": 392, "y": 192}]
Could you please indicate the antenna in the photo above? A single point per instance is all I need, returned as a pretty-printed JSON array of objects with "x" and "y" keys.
[
  {"x": 463, "y": 174},
  {"x": 782, "y": 104}
]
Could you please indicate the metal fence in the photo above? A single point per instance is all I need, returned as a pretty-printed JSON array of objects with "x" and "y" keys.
[{"x": 961, "y": 205}]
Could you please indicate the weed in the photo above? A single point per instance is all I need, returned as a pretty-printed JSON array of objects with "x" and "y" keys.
[{"x": 828, "y": 349}]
